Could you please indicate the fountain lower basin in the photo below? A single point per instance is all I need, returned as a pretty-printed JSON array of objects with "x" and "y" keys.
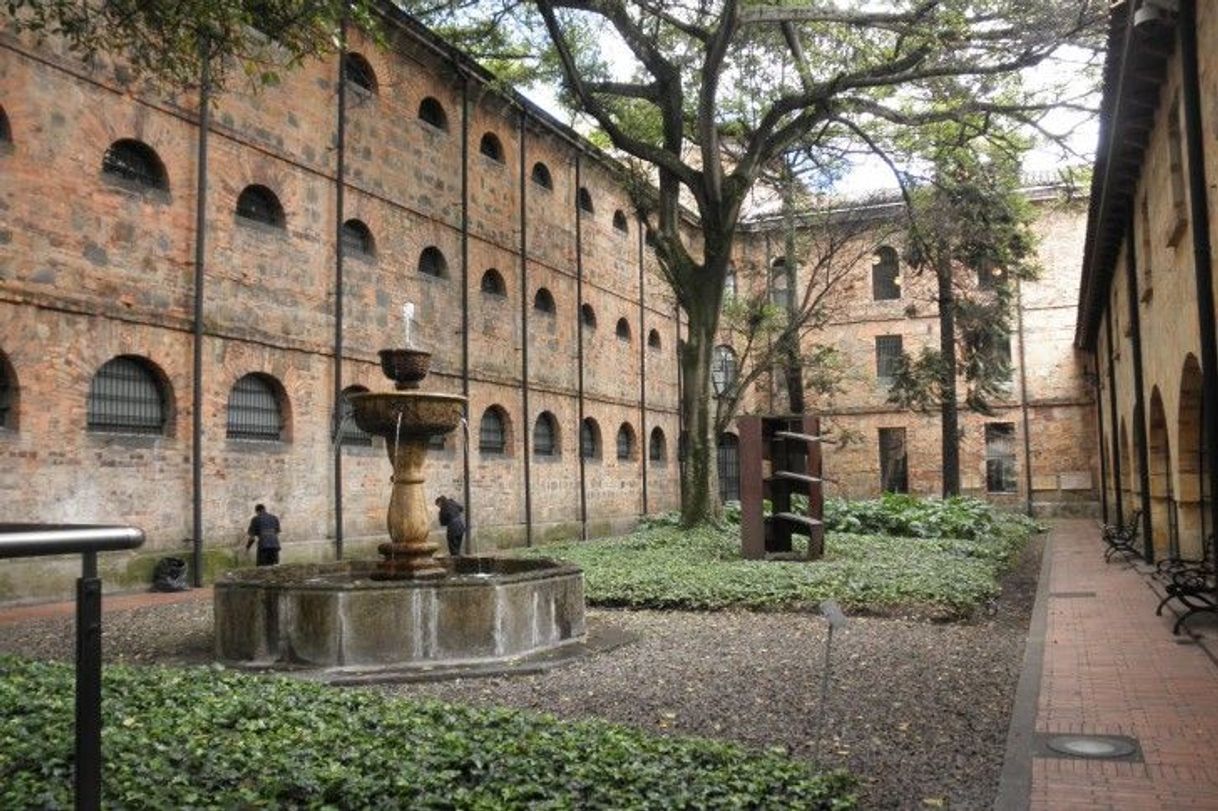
[{"x": 334, "y": 615}]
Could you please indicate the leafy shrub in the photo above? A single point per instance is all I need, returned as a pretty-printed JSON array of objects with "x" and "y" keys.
[
  {"x": 910, "y": 516},
  {"x": 209, "y": 738}
]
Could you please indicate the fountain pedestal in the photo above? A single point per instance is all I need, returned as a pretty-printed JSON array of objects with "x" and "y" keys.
[{"x": 409, "y": 555}]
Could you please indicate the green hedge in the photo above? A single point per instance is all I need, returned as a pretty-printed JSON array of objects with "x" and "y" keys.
[
  {"x": 910, "y": 516},
  {"x": 209, "y": 738}
]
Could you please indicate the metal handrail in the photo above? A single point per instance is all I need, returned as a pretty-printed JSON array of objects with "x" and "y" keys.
[{"x": 86, "y": 540}]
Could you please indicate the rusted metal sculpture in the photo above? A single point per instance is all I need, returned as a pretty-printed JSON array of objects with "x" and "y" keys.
[{"x": 780, "y": 457}]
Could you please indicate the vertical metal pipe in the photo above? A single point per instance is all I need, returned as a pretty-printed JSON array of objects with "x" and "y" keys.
[
  {"x": 88, "y": 686},
  {"x": 769, "y": 377},
  {"x": 1194, "y": 135},
  {"x": 644, "y": 439},
  {"x": 1139, "y": 416},
  {"x": 681, "y": 441},
  {"x": 1116, "y": 424},
  {"x": 196, "y": 396},
  {"x": 1099, "y": 422},
  {"x": 579, "y": 326},
  {"x": 340, "y": 180},
  {"x": 1023, "y": 397},
  {"x": 527, "y": 419},
  {"x": 466, "y": 490}
]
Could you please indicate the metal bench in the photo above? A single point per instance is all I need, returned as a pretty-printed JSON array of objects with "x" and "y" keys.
[
  {"x": 1120, "y": 538},
  {"x": 1192, "y": 583}
]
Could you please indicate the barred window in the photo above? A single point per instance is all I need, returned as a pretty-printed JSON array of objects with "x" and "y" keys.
[
  {"x": 888, "y": 352},
  {"x": 6, "y": 131},
  {"x": 545, "y": 435},
  {"x": 357, "y": 239},
  {"x": 432, "y": 112},
  {"x": 491, "y": 147},
  {"x": 358, "y": 71},
  {"x": 724, "y": 369},
  {"x": 728, "y": 460},
  {"x": 436, "y": 442},
  {"x": 625, "y": 442},
  {"x": 657, "y": 450},
  {"x": 125, "y": 397},
  {"x": 492, "y": 283},
  {"x": 348, "y": 432},
  {"x": 588, "y": 315},
  {"x": 135, "y": 162},
  {"x": 653, "y": 339},
  {"x": 619, "y": 221},
  {"x": 254, "y": 409},
  {"x": 886, "y": 275},
  {"x": 432, "y": 263},
  {"x": 729, "y": 284},
  {"x": 543, "y": 302},
  {"x": 8, "y": 394},
  {"x": 623, "y": 329},
  {"x": 780, "y": 291},
  {"x": 492, "y": 431},
  {"x": 259, "y": 204},
  {"x": 894, "y": 464},
  {"x": 541, "y": 176},
  {"x": 585, "y": 200},
  {"x": 1000, "y": 457},
  {"x": 590, "y": 439}
]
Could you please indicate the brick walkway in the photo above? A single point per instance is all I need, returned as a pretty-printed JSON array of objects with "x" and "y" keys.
[{"x": 1111, "y": 667}]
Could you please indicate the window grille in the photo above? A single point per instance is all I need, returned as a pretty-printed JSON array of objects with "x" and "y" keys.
[
  {"x": 589, "y": 439},
  {"x": 886, "y": 275},
  {"x": 544, "y": 435},
  {"x": 780, "y": 291},
  {"x": 358, "y": 72},
  {"x": 653, "y": 339},
  {"x": 357, "y": 238},
  {"x": 544, "y": 301},
  {"x": 349, "y": 432},
  {"x": 724, "y": 370},
  {"x": 623, "y": 329},
  {"x": 729, "y": 285},
  {"x": 436, "y": 442},
  {"x": 888, "y": 352},
  {"x": 492, "y": 283},
  {"x": 625, "y": 442},
  {"x": 894, "y": 464},
  {"x": 432, "y": 263},
  {"x": 491, "y": 147},
  {"x": 1000, "y": 457},
  {"x": 541, "y": 176},
  {"x": 657, "y": 451},
  {"x": 254, "y": 410},
  {"x": 136, "y": 163},
  {"x": 6, "y": 132},
  {"x": 259, "y": 204},
  {"x": 491, "y": 435},
  {"x": 585, "y": 200},
  {"x": 432, "y": 112},
  {"x": 728, "y": 460},
  {"x": 619, "y": 221},
  {"x": 125, "y": 397},
  {"x": 8, "y": 392},
  {"x": 588, "y": 315}
]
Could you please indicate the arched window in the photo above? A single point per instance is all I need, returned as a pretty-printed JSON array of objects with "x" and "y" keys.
[
  {"x": 433, "y": 263},
  {"x": 541, "y": 176},
  {"x": 590, "y": 439},
  {"x": 724, "y": 369},
  {"x": 780, "y": 291},
  {"x": 126, "y": 396},
  {"x": 492, "y": 283},
  {"x": 653, "y": 339},
  {"x": 623, "y": 330},
  {"x": 543, "y": 302},
  {"x": 545, "y": 435},
  {"x": 8, "y": 394},
  {"x": 625, "y": 442},
  {"x": 358, "y": 72},
  {"x": 491, "y": 146},
  {"x": 357, "y": 239},
  {"x": 585, "y": 200},
  {"x": 885, "y": 275},
  {"x": 588, "y": 316},
  {"x": 729, "y": 284},
  {"x": 492, "y": 431},
  {"x": 348, "y": 432},
  {"x": 6, "y": 131},
  {"x": 432, "y": 112},
  {"x": 259, "y": 204},
  {"x": 619, "y": 221},
  {"x": 728, "y": 459},
  {"x": 658, "y": 450},
  {"x": 136, "y": 163},
  {"x": 255, "y": 408}
]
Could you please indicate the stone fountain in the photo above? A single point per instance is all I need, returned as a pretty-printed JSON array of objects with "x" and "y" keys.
[{"x": 410, "y": 610}]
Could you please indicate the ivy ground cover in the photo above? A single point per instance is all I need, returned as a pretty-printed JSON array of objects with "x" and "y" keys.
[{"x": 212, "y": 739}]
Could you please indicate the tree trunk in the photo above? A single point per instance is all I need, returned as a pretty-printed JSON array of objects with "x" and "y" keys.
[
  {"x": 790, "y": 349},
  {"x": 949, "y": 410},
  {"x": 699, "y": 472}
]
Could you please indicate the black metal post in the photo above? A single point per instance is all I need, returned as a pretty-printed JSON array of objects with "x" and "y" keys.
[
  {"x": 88, "y": 685},
  {"x": 526, "y": 420},
  {"x": 1116, "y": 423},
  {"x": 465, "y": 486},
  {"x": 1023, "y": 398},
  {"x": 645, "y": 440},
  {"x": 339, "y": 205},
  {"x": 1139, "y": 409},
  {"x": 1099, "y": 422},
  {"x": 196, "y": 395},
  {"x": 579, "y": 327}
]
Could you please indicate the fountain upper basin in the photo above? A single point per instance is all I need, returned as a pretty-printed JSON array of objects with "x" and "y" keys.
[{"x": 422, "y": 413}]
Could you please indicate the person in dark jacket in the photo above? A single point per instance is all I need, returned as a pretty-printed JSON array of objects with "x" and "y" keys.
[
  {"x": 264, "y": 528},
  {"x": 451, "y": 520}
]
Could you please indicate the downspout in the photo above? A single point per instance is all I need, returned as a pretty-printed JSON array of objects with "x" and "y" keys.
[
  {"x": 1117, "y": 479},
  {"x": 681, "y": 442},
  {"x": 524, "y": 339},
  {"x": 339, "y": 204},
  {"x": 644, "y": 439},
  {"x": 1139, "y": 419},
  {"x": 196, "y": 402},
  {"x": 1023, "y": 398},
  {"x": 465, "y": 486},
  {"x": 769, "y": 377},
  {"x": 579, "y": 334},
  {"x": 1099, "y": 421},
  {"x": 1202, "y": 249}
]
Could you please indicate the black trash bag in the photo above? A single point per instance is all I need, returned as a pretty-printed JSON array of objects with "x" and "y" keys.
[{"x": 169, "y": 575}]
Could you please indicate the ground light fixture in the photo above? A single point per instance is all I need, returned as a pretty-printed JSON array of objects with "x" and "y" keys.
[{"x": 1092, "y": 746}]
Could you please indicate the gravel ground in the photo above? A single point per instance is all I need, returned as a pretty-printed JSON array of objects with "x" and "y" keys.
[{"x": 918, "y": 710}]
